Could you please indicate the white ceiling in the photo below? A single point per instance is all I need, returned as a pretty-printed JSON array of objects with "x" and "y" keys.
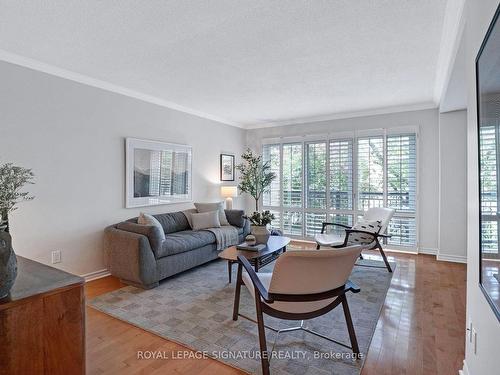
[{"x": 243, "y": 62}]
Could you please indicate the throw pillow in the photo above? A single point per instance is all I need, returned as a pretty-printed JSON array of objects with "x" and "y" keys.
[
  {"x": 146, "y": 219},
  {"x": 361, "y": 238},
  {"x": 205, "y": 220},
  {"x": 208, "y": 207}
]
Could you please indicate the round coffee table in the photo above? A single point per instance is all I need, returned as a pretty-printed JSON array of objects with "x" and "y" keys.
[{"x": 275, "y": 246}]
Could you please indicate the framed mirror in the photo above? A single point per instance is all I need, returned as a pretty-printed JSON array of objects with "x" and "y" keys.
[
  {"x": 488, "y": 118},
  {"x": 157, "y": 173}
]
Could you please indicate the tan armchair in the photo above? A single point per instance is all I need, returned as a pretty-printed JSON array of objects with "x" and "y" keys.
[{"x": 305, "y": 284}]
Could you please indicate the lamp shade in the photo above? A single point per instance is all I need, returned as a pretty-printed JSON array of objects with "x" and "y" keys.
[{"x": 229, "y": 191}]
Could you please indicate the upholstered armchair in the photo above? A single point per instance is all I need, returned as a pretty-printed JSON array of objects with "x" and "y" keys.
[
  {"x": 305, "y": 284},
  {"x": 368, "y": 231}
]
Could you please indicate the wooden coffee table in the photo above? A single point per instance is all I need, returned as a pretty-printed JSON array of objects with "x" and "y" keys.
[{"x": 276, "y": 245}]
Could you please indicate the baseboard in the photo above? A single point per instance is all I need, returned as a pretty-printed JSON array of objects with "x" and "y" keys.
[
  {"x": 464, "y": 370},
  {"x": 452, "y": 258},
  {"x": 95, "y": 275},
  {"x": 428, "y": 251}
]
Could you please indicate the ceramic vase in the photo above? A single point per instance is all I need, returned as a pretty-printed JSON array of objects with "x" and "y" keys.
[
  {"x": 261, "y": 233},
  {"x": 8, "y": 264}
]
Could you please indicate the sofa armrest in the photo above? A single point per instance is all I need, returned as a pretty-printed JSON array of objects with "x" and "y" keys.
[
  {"x": 236, "y": 218},
  {"x": 129, "y": 257},
  {"x": 152, "y": 232}
]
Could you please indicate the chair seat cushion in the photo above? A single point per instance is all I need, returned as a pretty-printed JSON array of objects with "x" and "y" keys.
[
  {"x": 329, "y": 239},
  {"x": 186, "y": 240},
  {"x": 291, "y": 307}
]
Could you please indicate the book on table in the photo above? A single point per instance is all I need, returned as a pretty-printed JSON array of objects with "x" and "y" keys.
[{"x": 245, "y": 246}]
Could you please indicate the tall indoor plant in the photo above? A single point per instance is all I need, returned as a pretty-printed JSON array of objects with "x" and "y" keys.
[
  {"x": 12, "y": 180},
  {"x": 255, "y": 179}
]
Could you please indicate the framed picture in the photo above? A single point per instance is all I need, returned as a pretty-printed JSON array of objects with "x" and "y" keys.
[
  {"x": 488, "y": 131},
  {"x": 157, "y": 173},
  {"x": 226, "y": 167}
]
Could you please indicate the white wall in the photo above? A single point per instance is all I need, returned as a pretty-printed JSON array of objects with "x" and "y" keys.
[
  {"x": 426, "y": 120},
  {"x": 453, "y": 186},
  {"x": 72, "y": 136},
  {"x": 487, "y": 359}
]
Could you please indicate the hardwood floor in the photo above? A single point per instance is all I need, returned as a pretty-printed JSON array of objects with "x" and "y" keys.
[{"x": 421, "y": 329}]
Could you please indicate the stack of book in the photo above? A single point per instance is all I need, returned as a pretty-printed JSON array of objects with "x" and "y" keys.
[{"x": 245, "y": 246}]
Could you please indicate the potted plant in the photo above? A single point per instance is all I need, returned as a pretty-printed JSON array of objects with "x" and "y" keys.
[
  {"x": 255, "y": 179},
  {"x": 255, "y": 176},
  {"x": 260, "y": 221},
  {"x": 12, "y": 179}
]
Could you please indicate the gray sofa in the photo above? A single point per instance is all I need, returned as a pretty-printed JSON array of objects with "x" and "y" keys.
[{"x": 137, "y": 256}]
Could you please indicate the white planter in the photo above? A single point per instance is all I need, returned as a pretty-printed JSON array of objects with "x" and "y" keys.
[{"x": 261, "y": 233}]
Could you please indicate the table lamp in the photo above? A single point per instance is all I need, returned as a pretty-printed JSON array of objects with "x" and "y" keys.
[{"x": 229, "y": 192}]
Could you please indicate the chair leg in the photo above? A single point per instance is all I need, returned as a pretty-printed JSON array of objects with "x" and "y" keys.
[
  {"x": 262, "y": 336},
  {"x": 237, "y": 292},
  {"x": 350, "y": 326},
  {"x": 384, "y": 257}
]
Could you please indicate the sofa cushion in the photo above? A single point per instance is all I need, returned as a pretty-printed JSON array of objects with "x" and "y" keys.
[
  {"x": 208, "y": 207},
  {"x": 146, "y": 219},
  {"x": 186, "y": 240},
  {"x": 173, "y": 222},
  {"x": 236, "y": 218},
  {"x": 205, "y": 220}
]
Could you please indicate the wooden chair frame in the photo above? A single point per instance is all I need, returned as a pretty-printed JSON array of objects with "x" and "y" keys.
[
  {"x": 263, "y": 300},
  {"x": 349, "y": 230}
]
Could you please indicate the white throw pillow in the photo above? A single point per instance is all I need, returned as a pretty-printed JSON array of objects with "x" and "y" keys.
[
  {"x": 146, "y": 219},
  {"x": 367, "y": 226},
  {"x": 205, "y": 220},
  {"x": 208, "y": 207}
]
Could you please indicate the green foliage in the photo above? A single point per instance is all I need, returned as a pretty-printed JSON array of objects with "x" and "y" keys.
[
  {"x": 261, "y": 219},
  {"x": 12, "y": 179},
  {"x": 255, "y": 175}
]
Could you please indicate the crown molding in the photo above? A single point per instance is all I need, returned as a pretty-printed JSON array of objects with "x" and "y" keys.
[
  {"x": 453, "y": 28},
  {"x": 107, "y": 86},
  {"x": 104, "y": 85},
  {"x": 346, "y": 115}
]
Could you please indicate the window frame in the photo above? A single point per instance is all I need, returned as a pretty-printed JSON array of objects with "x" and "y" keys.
[{"x": 355, "y": 211}]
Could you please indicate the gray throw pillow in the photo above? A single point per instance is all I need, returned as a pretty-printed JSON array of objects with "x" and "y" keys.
[
  {"x": 146, "y": 219},
  {"x": 219, "y": 207},
  {"x": 205, "y": 220}
]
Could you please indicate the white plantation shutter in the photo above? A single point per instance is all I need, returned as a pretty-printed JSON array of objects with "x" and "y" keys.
[
  {"x": 402, "y": 188},
  {"x": 292, "y": 175},
  {"x": 341, "y": 174},
  {"x": 370, "y": 172},
  {"x": 293, "y": 223},
  {"x": 316, "y": 175},
  {"x": 314, "y": 222},
  {"x": 402, "y": 172},
  {"x": 271, "y": 154}
]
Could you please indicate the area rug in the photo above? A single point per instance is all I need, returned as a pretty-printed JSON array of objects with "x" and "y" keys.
[{"x": 194, "y": 308}]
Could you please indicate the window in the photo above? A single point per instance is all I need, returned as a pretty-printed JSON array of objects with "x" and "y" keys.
[{"x": 338, "y": 179}]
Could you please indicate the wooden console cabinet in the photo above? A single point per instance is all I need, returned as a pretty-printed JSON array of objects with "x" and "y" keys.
[{"x": 42, "y": 322}]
